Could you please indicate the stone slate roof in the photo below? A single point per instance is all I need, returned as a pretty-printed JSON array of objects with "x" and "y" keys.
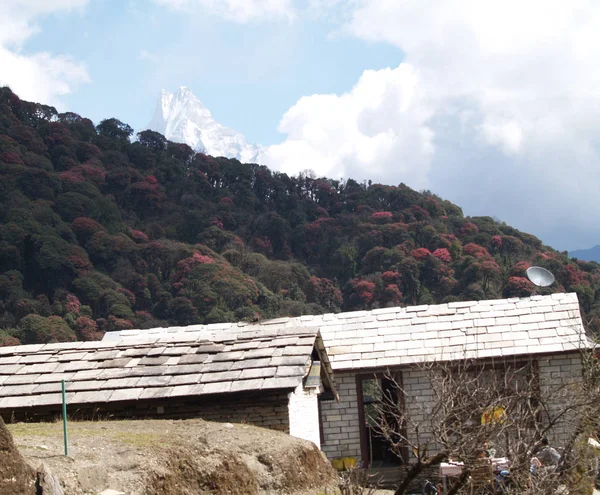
[
  {"x": 396, "y": 336},
  {"x": 153, "y": 366}
]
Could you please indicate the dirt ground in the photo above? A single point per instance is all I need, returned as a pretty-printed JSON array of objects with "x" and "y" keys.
[
  {"x": 16, "y": 476},
  {"x": 160, "y": 457}
]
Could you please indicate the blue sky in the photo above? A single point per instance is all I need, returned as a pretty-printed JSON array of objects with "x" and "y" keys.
[
  {"x": 247, "y": 74},
  {"x": 492, "y": 105}
]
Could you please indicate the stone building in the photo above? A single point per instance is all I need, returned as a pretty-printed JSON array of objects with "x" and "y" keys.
[
  {"x": 271, "y": 378},
  {"x": 279, "y": 373},
  {"x": 543, "y": 334}
]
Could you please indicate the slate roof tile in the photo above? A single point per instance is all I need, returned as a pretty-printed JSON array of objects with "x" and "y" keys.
[
  {"x": 125, "y": 394},
  {"x": 185, "y": 379},
  {"x": 260, "y": 354},
  {"x": 221, "y": 376},
  {"x": 156, "y": 393},
  {"x": 247, "y": 385},
  {"x": 258, "y": 373}
]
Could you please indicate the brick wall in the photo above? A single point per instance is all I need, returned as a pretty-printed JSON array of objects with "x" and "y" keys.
[
  {"x": 340, "y": 420},
  {"x": 560, "y": 375},
  {"x": 419, "y": 400},
  {"x": 341, "y": 424},
  {"x": 304, "y": 414},
  {"x": 269, "y": 410}
]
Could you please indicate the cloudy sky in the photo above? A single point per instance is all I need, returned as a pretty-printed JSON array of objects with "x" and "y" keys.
[{"x": 494, "y": 105}]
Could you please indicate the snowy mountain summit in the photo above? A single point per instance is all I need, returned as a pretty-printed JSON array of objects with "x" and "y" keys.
[{"x": 182, "y": 118}]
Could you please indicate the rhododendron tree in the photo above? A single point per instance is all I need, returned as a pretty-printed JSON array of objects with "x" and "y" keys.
[
  {"x": 469, "y": 228},
  {"x": 391, "y": 295},
  {"x": 518, "y": 287},
  {"x": 87, "y": 329},
  {"x": 390, "y": 276},
  {"x": 85, "y": 228},
  {"x": 520, "y": 268},
  {"x": 382, "y": 216},
  {"x": 325, "y": 293},
  {"x": 137, "y": 235},
  {"x": 420, "y": 253},
  {"x": 443, "y": 254},
  {"x": 72, "y": 304}
]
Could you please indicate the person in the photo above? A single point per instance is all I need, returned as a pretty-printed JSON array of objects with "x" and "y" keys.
[
  {"x": 547, "y": 455},
  {"x": 489, "y": 450},
  {"x": 545, "y": 459}
]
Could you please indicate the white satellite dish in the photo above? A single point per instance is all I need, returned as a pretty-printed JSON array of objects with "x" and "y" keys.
[{"x": 540, "y": 276}]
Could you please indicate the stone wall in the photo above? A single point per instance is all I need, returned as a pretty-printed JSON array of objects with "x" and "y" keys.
[
  {"x": 304, "y": 414},
  {"x": 558, "y": 373},
  {"x": 340, "y": 420},
  {"x": 269, "y": 410},
  {"x": 560, "y": 378}
]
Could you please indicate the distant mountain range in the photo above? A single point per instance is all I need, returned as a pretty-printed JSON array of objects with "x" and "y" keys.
[
  {"x": 592, "y": 254},
  {"x": 182, "y": 118}
]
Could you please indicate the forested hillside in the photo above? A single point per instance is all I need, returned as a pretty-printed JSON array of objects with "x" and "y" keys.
[{"x": 100, "y": 231}]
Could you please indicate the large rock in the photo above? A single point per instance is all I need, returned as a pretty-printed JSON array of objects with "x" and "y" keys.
[
  {"x": 47, "y": 483},
  {"x": 16, "y": 476}
]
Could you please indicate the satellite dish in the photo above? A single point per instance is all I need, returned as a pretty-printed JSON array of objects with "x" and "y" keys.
[{"x": 540, "y": 276}]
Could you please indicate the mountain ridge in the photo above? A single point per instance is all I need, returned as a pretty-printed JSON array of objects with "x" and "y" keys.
[{"x": 591, "y": 254}]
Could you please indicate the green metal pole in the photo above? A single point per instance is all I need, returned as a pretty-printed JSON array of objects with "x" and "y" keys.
[{"x": 64, "y": 414}]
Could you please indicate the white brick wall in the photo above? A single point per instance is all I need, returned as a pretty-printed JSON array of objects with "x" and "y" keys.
[
  {"x": 341, "y": 423},
  {"x": 340, "y": 420},
  {"x": 418, "y": 400},
  {"x": 304, "y": 414},
  {"x": 558, "y": 376}
]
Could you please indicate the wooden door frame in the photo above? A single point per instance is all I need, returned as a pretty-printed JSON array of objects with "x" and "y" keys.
[{"x": 359, "y": 377}]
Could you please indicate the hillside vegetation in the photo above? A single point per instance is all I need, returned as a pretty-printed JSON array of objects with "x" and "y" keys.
[{"x": 100, "y": 232}]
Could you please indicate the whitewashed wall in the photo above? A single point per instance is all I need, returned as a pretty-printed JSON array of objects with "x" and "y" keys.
[{"x": 304, "y": 414}]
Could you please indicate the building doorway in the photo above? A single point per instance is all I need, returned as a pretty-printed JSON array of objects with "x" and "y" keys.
[{"x": 380, "y": 400}]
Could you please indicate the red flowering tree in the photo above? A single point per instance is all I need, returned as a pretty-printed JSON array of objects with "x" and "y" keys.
[
  {"x": 87, "y": 329},
  {"x": 443, "y": 254},
  {"x": 361, "y": 293},
  {"x": 518, "y": 287},
  {"x": 519, "y": 269},
  {"x": 390, "y": 276},
  {"x": 84, "y": 228},
  {"x": 323, "y": 292},
  {"x": 475, "y": 250},
  {"x": 391, "y": 295},
  {"x": 382, "y": 216},
  {"x": 468, "y": 229},
  {"x": 420, "y": 253}
]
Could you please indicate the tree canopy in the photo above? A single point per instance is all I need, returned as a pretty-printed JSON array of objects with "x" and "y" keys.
[{"x": 99, "y": 232}]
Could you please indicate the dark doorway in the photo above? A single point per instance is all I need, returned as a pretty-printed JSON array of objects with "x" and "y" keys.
[{"x": 376, "y": 393}]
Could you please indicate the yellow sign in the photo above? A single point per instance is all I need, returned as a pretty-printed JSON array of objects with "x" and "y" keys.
[{"x": 495, "y": 414}]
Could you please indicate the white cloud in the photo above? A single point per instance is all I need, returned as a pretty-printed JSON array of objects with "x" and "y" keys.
[
  {"x": 491, "y": 96},
  {"x": 240, "y": 11},
  {"x": 377, "y": 130},
  {"x": 40, "y": 76}
]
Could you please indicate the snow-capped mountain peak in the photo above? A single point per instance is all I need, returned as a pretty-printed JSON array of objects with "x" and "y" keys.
[{"x": 181, "y": 117}]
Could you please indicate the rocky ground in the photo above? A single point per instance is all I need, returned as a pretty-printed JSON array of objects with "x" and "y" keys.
[{"x": 172, "y": 457}]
